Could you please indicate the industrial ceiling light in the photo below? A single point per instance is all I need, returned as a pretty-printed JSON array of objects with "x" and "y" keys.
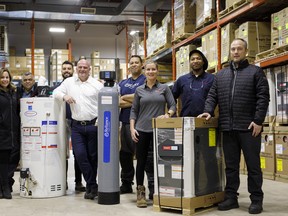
[
  {"x": 133, "y": 32},
  {"x": 58, "y": 30}
]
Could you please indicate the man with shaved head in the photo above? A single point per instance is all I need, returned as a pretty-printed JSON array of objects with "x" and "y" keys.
[{"x": 81, "y": 93}]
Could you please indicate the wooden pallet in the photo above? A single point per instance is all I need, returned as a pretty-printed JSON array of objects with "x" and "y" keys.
[
  {"x": 188, "y": 206},
  {"x": 159, "y": 50},
  {"x": 181, "y": 37},
  {"x": 272, "y": 53},
  {"x": 207, "y": 21},
  {"x": 233, "y": 8}
]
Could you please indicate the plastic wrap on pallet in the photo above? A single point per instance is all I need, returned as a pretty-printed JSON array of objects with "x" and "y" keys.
[{"x": 205, "y": 9}]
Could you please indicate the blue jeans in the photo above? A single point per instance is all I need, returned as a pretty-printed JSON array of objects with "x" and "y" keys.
[{"x": 85, "y": 145}]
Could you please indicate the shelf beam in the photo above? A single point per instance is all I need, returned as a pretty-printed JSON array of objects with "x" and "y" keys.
[
  {"x": 273, "y": 61},
  {"x": 254, "y": 4},
  {"x": 196, "y": 35}
]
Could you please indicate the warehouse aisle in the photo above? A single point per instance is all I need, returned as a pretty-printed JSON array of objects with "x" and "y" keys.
[{"x": 73, "y": 204}]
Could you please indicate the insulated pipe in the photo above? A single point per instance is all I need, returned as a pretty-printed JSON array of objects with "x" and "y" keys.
[{"x": 32, "y": 28}]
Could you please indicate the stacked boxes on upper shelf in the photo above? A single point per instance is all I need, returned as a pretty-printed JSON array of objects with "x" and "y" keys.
[
  {"x": 279, "y": 28},
  {"x": 39, "y": 62},
  {"x": 182, "y": 60},
  {"x": 159, "y": 37},
  {"x": 227, "y": 36},
  {"x": 58, "y": 56},
  {"x": 257, "y": 35},
  {"x": 184, "y": 18},
  {"x": 205, "y": 12},
  {"x": 209, "y": 48}
]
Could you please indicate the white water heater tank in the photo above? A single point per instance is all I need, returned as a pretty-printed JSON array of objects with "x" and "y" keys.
[{"x": 43, "y": 148}]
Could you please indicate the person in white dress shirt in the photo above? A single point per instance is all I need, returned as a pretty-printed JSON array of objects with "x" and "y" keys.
[{"x": 81, "y": 93}]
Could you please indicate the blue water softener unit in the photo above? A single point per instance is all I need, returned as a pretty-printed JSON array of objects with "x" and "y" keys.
[{"x": 108, "y": 148}]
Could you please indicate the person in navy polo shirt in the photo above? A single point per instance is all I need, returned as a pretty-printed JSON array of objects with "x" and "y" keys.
[{"x": 127, "y": 151}]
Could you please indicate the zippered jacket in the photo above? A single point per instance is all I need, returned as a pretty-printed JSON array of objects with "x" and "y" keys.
[
  {"x": 9, "y": 120},
  {"x": 242, "y": 95}
]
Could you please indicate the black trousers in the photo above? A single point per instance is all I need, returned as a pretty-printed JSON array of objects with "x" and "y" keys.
[
  {"x": 4, "y": 166},
  {"x": 143, "y": 146},
  {"x": 127, "y": 152},
  {"x": 233, "y": 142}
]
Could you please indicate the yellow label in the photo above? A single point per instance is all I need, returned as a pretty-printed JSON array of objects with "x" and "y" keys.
[
  {"x": 245, "y": 33},
  {"x": 222, "y": 32},
  {"x": 211, "y": 37},
  {"x": 212, "y": 137},
  {"x": 279, "y": 165},
  {"x": 287, "y": 40},
  {"x": 279, "y": 28},
  {"x": 226, "y": 58},
  {"x": 203, "y": 39},
  {"x": 286, "y": 25},
  {"x": 263, "y": 162}
]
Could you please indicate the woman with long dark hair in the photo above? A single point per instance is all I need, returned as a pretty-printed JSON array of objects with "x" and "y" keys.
[{"x": 9, "y": 128}]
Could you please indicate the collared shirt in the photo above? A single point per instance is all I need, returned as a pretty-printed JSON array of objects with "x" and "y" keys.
[
  {"x": 128, "y": 86},
  {"x": 85, "y": 95},
  {"x": 28, "y": 94},
  {"x": 150, "y": 103},
  {"x": 193, "y": 92}
]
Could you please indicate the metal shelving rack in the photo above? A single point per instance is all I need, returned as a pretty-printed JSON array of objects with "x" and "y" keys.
[{"x": 248, "y": 8}]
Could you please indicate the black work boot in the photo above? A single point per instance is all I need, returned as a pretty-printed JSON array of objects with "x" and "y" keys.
[
  {"x": 126, "y": 187},
  {"x": 256, "y": 207},
  {"x": 6, "y": 191},
  {"x": 228, "y": 204}
]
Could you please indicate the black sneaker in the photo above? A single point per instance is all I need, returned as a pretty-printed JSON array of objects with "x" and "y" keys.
[
  {"x": 228, "y": 204},
  {"x": 255, "y": 207},
  {"x": 126, "y": 188},
  {"x": 80, "y": 187}
]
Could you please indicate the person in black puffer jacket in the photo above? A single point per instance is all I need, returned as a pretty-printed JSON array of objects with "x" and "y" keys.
[
  {"x": 242, "y": 93},
  {"x": 9, "y": 128}
]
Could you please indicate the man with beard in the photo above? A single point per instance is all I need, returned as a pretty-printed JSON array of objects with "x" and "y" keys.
[
  {"x": 67, "y": 71},
  {"x": 193, "y": 88}
]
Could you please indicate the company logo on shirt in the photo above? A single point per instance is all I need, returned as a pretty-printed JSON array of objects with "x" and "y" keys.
[{"x": 131, "y": 85}]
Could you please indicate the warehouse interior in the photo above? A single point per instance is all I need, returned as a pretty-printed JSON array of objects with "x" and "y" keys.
[{"x": 166, "y": 31}]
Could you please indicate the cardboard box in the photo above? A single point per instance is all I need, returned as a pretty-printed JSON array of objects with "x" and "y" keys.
[
  {"x": 267, "y": 154},
  {"x": 184, "y": 18},
  {"x": 177, "y": 144},
  {"x": 227, "y": 36},
  {"x": 281, "y": 151},
  {"x": 205, "y": 11},
  {"x": 257, "y": 35},
  {"x": 209, "y": 48}
]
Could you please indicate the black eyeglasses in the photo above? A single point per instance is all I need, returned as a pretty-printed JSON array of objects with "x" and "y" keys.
[{"x": 195, "y": 86}]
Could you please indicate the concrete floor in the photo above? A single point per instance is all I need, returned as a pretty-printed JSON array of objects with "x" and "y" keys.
[{"x": 73, "y": 204}]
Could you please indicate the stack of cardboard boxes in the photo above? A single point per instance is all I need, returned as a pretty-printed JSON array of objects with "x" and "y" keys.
[{"x": 58, "y": 56}]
